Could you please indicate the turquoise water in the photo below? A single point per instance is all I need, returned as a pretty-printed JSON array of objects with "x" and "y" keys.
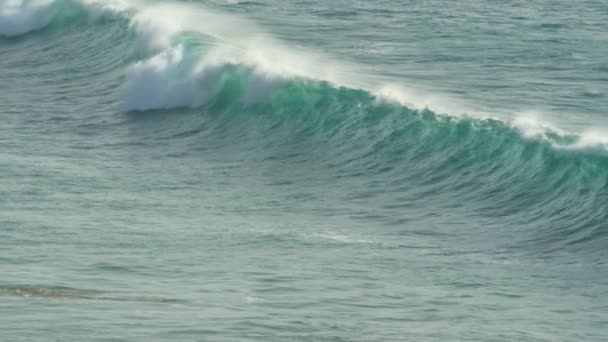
[{"x": 303, "y": 170}]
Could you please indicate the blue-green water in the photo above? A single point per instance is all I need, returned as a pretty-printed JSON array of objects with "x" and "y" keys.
[{"x": 303, "y": 170}]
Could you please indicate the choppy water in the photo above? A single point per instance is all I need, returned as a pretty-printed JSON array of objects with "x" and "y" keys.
[{"x": 303, "y": 170}]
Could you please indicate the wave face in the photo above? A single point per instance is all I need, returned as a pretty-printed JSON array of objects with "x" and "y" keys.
[
  {"x": 153, "y": 138},
  {"x": 531, "y": 179},
  {"x": 368, "y": 132}
]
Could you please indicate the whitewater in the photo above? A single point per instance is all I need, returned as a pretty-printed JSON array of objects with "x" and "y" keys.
[{"x": 316, "y": 171}]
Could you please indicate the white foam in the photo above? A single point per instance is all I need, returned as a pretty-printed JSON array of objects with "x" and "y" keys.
[
  {"x": 342, "y": 238},
  {"x": 151, "y": 85},
  {"x": 418, "y": 99},
  {"x": 158, "y": 24},
  {"x": 21, "y": 16},
  {"x": 589, "y": 139},
  {"x": 171, "y": 80},
  {"x": 236, "y": 42},
  {"x": 239, "y": 42},
  {"x": 531, "y": 126},
  {"x": 535, "y": 125}
]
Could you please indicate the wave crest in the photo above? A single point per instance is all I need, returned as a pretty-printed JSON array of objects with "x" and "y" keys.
[{"x": 18, "y": 17}]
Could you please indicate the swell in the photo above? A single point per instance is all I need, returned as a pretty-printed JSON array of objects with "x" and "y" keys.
[
  {"x": 559, "y": 195},
  {"x": 522, "y": 178},
  {"x": 392, "y": 160}
]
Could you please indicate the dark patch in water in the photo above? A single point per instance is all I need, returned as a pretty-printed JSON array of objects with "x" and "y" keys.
[{"x": 70, "y": 293}]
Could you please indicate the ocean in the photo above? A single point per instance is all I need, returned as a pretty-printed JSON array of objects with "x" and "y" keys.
[{"x": 288, "y": 170}]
